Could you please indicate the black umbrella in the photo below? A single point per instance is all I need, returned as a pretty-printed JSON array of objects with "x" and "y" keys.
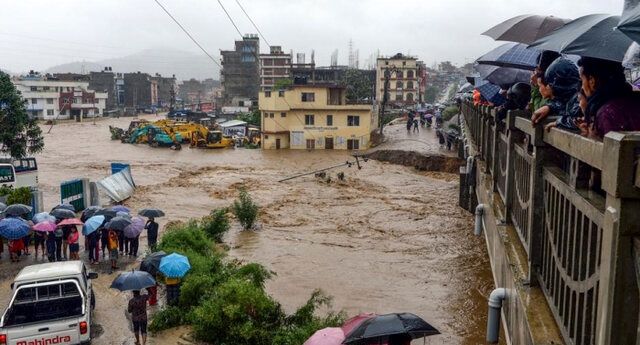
[
  {"x": 151, "y": 263},
  {"x": 503, "y": 75},
  {"x": 151, "y": 213},
  {"x": 134, "y": 280},
  {"x": 106, "y": 212},
  {"x": 118, "y": 223},
  {"x": 382, "y": 327},
  {"x": 525, "y": 29},
  {"x": 89, "y": 212},
  {"x": 17, "y": 210},
  {"x": 62, "y": 213},
  {"x": 630, "y": 23},
  {"x": 592, "y": 36},
  {"x": 66, "y": 207}
]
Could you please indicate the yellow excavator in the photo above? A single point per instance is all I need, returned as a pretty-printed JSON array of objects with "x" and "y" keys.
[{"x": 208, "y": 139}]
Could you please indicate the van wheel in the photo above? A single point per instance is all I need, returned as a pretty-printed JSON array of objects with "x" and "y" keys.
[{"x": 93, "y": 300}]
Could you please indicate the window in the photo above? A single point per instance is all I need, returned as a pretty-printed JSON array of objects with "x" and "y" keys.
[
  {"x": 66, "y": 101},
  {"x": 75, "y": 100},
  {"x": 409, "y": 85},
  {"x": 409, "y": 74},
  {"x": 386, "y": 63},
  {"x": 281, "y": 93},
  {"x": 309, "y": 120},
  {"x": 49, "y": 112},
  {"x": 311, "y": 144},
  {"x": 398, "y": 97},
  {"x": 399, "y": 85},
  {"x": 283, "y": 114},
  {"x": 266, "y": 115},
  {"x": 46, "y": 88},
  {"x": 34, "y": 101},
  {"x": 271, "y": 115},
  {"x": 399, "y": 75},
  {"x": 49, "y": 100},
  {"x": 404, "y": 63},
  {"x": 308, "y": 97},
  {"x": 267, "y": 93},
  {"x": 329, "y": 120},
  {"x": 353, "y": 144},
  {"x": 34, "y": 88},
  {"x": 409, "y": 97},
  {"x": 353, "y": 120}
]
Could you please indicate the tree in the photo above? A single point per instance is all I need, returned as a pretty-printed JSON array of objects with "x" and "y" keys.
[
  {"x": 430, "y": 94},
  {"x": 252, "y": 118},
  {"x": 359, "y": 86},
  {"x": 282, "y": 84},
  {"x": 245, "y": 209},
  {"x": 447, "y": 66},
  {"x": 19, "y": 135}
]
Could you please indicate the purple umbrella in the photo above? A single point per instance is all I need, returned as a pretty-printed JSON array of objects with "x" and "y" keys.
[
  {"x": 120, "y": 208},
  {"x": 135, "y": 228}
]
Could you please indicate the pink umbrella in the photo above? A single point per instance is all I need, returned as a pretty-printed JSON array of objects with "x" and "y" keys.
[
  {"x": 45, "y": 227},
  {"x": 71, "y": 221},
  {"x": 326, "y": 336},
  {"x": 355, "y": 321}
]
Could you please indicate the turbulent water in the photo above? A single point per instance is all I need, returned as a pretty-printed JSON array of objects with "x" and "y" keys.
[{"x": 386, "y": 239}]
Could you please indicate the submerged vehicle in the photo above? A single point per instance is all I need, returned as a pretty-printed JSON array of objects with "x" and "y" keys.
[
  {"x": 207, "y": 139},
  {"x": 156, "y": 137}
]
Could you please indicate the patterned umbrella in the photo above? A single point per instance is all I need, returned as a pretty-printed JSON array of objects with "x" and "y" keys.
[
  {"x": 17, "y": 210},
  {"x": 14, "y": 228},
  {"x": 43, "y": 217},
  {"x": 513, "y": 55},
  {"x": 503, "y": 75},
  {"x": 491, "y": 92},
  {"x": 45, "y": 226},
  {"x": 135, "y": 228}
]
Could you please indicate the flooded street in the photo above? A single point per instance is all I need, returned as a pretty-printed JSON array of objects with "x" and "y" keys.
[{"x": 387, "y": 239}]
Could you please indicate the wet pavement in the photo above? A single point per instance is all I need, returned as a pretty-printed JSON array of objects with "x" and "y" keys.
[{"x": 387, "y": 239}]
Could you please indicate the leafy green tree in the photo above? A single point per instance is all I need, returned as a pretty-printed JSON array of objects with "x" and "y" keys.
[
  {"x": 19, "y": 135},
  {"x": 359, "y": 86},
  {"x": 282, "y": 84},
  {"x": 217, "y": 224},
  {"x": 430, "y": 94},
  {"x": 252, "y": 118},
  {"x": 245, "y": 210}
]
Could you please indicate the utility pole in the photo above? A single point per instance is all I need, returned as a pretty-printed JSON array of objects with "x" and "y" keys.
[{"x": 172, "y": 99}]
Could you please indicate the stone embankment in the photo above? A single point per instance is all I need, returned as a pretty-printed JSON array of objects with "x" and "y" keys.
[{"x": 420, "y": 161}]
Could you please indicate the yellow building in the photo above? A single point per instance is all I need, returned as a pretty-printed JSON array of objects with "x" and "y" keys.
[
  {"x": 404, "y": 83},
  {"x": 314, "y": 117}
]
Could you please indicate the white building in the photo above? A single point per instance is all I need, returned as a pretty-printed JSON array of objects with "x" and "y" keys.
[{"x": 49, "y": 99}]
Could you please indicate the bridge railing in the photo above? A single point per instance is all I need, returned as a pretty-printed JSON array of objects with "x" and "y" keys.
[{"x": 575, "y": 204}]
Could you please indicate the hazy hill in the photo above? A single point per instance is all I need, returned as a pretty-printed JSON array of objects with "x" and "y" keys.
[{"x": 184, "y": 65}]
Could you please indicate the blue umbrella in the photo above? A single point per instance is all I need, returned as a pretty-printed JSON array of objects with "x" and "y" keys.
[
  {"x": 503, "y": 75},
  {"x": 92, "y": 224},
  {"x": 43, "y": 217},
  {"x": 134, "y": 280},
  {"x": 120, "y": 208},
  {"x": 513, "y": 55},
  {"x": 491, "y": 93},
  {"x": 174, "y": 265},
  {"x": 14, "y": 228}
]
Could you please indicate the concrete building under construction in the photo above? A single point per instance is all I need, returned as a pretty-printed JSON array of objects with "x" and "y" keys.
[{"x": 240, "y": 74}]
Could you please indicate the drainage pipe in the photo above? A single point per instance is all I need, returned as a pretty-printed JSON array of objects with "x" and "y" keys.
[
  {"x": 469, "y": 162},
  {"x": 493, "y": 322},
  {"x": 478, "y": 224}
]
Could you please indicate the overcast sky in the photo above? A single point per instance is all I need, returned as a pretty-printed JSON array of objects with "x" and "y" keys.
[{"x": 36, "y": 34}]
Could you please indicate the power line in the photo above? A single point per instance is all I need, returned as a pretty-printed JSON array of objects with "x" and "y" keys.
[
  {"x": 230, "y": 19},
  {"x": 254, "y": 24},
  {"x": 188, "y": 34}
]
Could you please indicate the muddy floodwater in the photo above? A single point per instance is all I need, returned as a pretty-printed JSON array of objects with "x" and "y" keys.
[{"x": 386, "y": 239}]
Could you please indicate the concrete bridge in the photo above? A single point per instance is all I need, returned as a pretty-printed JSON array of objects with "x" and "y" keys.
[{"x": 561, "y": 218}]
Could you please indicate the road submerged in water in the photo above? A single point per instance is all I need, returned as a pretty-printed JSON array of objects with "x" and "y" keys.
[{"x": 386, "y": 239}]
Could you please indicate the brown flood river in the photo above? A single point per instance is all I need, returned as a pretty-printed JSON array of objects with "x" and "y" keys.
[{"x": 387, "y": 239}]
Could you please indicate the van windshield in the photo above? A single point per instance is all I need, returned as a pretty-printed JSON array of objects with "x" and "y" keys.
[{"x": 44, "y": 303}]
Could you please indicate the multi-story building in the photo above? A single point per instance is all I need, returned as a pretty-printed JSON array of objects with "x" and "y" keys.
[
  {"x": 140, "y": 91},
  {"x": 314, "y": 117},
  {"x": 49, "y": 98},
  {"x": 274, "y": 66},
  {"x": 104, "y": 81},
  {"x": 240, "y": 74},
  {"x": 403, "y": 80},
  {"x": 167, "y": 89}
]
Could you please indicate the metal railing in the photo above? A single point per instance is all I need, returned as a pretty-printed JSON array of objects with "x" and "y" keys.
[{"x": 575, "y": 205}]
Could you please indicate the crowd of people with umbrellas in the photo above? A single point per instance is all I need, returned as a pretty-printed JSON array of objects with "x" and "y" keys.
[
  {"x": 55, "y": 235},
  {"x": 572, "y": 72}
]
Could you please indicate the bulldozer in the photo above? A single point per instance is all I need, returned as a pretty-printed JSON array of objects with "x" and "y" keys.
[{"x": 207, "y": 139}]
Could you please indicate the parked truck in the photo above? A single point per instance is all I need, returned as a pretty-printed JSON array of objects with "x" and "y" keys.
[{"x": 51, "y": 303}]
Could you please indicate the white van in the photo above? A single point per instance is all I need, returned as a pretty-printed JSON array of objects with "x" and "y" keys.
[{"x": 52, "y": 303}]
